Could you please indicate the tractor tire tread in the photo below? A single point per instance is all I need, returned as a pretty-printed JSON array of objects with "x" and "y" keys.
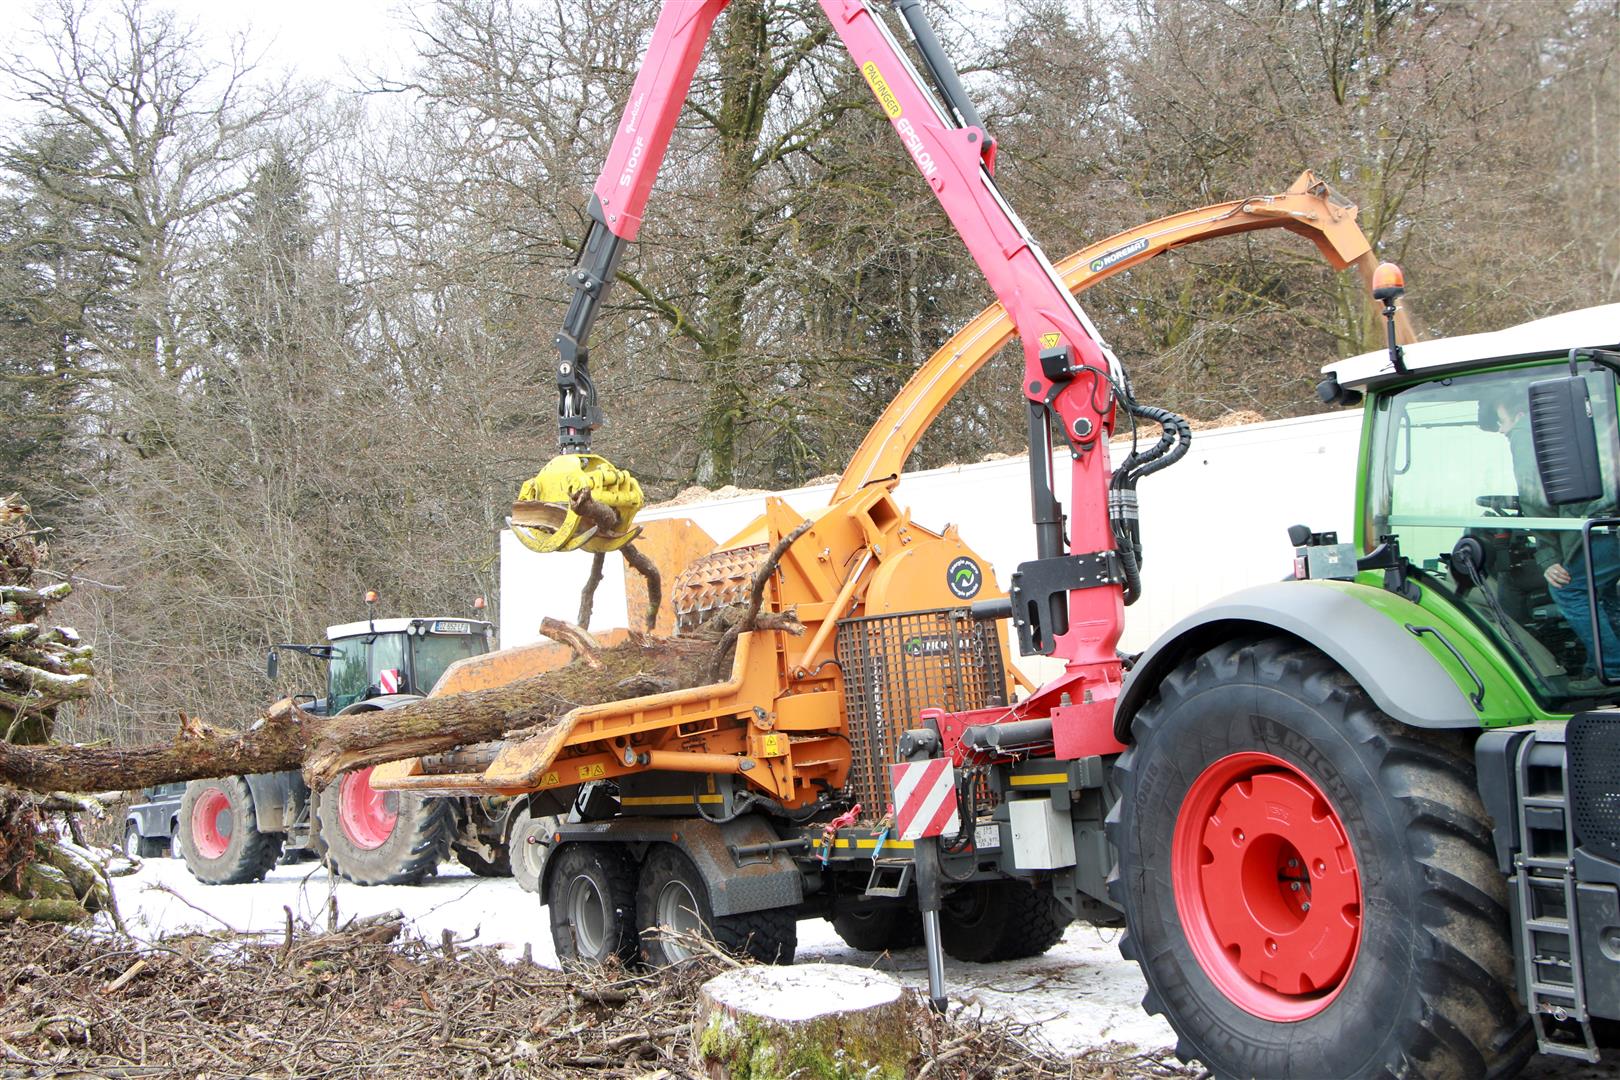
[
  {"x": 1037, "y": 921},
  {"x": 768, "y": 937},
  {"x": 430, "y": 827},
  {"x": 1016, "y": 921},
  {"x": 885, "y": 929},
  {"x": 1466, "y": 1020},
  {"x": 253, "y": 858},
  {"x": 618, "y": 874}
]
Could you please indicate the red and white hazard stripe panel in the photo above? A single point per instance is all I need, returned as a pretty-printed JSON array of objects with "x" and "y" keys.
[
  {"x": 924, "y": 799},
  {"x": 388, "y": 679}
]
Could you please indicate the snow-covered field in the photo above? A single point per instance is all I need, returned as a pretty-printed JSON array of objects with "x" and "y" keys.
[{"x": 1080, "y": 994}]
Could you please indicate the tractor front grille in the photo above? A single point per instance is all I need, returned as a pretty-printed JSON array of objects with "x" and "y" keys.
[
  {"x": 1593, "y": 742},
  {"x": 897, "y": 665}
]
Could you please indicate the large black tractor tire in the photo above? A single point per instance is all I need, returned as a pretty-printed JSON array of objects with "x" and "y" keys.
[
  {"x": 394, "y": 839},
  {"x": 1309, "y": 886},
  {"x": 985, "y": 922},
  {"x": 672, "y": 894},
  {"x": 480, "y": 864},
  {"x": 591, "y": 898},
  {"x": 875, "y": 928},
  {"x": 527, "y": 848},
  {"x": 218, "y": 835}
]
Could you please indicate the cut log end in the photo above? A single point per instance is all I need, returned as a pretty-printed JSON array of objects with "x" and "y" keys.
[{"x": 807, "y": 1020}]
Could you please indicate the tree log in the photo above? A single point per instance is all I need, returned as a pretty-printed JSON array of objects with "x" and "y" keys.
[{"x": 286, "y": 737}]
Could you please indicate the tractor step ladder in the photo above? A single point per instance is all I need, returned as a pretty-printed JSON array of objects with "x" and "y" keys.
[{"x": 1549, "y": 938}]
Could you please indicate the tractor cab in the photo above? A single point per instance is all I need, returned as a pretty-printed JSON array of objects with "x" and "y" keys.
[
  {"x": 386, "y": 657},
  {"x": 1489, "y": 494}
]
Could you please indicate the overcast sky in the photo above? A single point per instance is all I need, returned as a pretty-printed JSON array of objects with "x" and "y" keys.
[
  {"x": 320, "y": 39},
  {"x": 317, "y": 39}
]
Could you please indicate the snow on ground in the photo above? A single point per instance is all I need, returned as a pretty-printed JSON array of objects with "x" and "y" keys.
[{"x": 1080, "y": 994}]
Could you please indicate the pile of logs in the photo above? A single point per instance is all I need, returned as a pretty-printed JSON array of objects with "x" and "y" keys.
[{"x": 41, "y": 666}]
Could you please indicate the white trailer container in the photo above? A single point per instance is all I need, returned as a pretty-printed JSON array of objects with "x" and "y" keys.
[{"x": 1211, "y": 524}]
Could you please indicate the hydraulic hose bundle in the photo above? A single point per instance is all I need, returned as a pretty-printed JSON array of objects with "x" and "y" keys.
[{"x": 1122, "y": 505}]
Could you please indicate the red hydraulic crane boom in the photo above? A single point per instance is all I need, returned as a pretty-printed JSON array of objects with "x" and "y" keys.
[{"x": 1069, "y": 600}]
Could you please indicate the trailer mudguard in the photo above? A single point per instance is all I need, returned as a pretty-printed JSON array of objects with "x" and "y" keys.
[
  {"x": 276, "y": 798},
  {"x": 736, "y": 885},
  {"x": 1401, "y": 676}
]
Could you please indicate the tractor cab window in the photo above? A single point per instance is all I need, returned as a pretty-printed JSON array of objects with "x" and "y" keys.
[
  {"x": 437, "y": 651},
  {"x": 388, "y": 670},
  {"x": 347, "y": 673},
  {"x": 1454, "y": 477},
  {"x": 356, "y": 672}
]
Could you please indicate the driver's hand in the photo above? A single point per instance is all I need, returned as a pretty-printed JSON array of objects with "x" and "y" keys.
[{"x": 1556, "y": 575}]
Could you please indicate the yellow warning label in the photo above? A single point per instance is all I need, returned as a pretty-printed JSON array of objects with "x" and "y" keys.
[
  {"x": 591, "y": 772},
  {"x": 549, "y": 780},
  {"x": 1050, "y": 341},
  {"x": 885, "y": 96},
  {"x": 773, "y": 746}
]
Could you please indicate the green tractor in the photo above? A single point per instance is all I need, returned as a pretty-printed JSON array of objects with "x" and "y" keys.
[
  {"x": 1369, "y": 820},
  {"x": 234, "y": 829}
]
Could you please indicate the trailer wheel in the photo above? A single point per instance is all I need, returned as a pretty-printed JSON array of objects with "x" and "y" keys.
[
  {"x": 985, "y": 922},
  {"x": 591, "y": 894},
  {"x": 382, "y": 837},
  {"x": 217, "y": 835},
  {"x": 673, "y": 895},
  {"x": 872, "y": 928},
  {"x": 527, "y": 848},
  {"x": 1309, "y": 886}
]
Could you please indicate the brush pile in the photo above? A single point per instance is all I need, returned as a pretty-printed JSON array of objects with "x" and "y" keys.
[{"x": 369, "y": 1000}]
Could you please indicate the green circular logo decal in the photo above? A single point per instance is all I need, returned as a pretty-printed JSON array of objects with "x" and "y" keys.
[{"x": 964, "y": 578}]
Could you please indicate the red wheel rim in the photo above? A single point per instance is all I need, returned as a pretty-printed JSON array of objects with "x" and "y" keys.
[
  {"x": 368, "y": 816},
  {"x": 211, "y": 823},
  {"x": 1266, "y": 886}
]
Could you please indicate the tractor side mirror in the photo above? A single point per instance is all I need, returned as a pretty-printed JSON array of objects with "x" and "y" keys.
[
  {"x": 1565, "y": 440},
  {"x": 272, "y": 664}
]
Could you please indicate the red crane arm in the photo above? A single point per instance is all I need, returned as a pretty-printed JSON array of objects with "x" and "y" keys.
[{"x": 1069, "y": 600}]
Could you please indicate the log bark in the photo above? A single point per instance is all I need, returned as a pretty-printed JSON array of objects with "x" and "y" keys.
[{"x": 287, "y": 737}]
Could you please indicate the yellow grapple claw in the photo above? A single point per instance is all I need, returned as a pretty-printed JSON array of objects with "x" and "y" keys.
[{"x": 545, "y": 517}]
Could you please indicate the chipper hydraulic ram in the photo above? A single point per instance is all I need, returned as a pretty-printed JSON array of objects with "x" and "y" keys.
[{"x": 1279, "y": 800}]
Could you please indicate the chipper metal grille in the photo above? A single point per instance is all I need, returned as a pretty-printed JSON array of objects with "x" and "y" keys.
[
  {"x": 897, "y": 665},
  {"x": 1593, "y": 743}
]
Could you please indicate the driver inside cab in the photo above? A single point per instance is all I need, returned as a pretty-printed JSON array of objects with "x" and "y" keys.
[{"x": 1560, "y": 553}]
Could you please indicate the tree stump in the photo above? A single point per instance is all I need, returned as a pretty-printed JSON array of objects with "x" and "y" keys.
[{"x": 820, "y": 1021}]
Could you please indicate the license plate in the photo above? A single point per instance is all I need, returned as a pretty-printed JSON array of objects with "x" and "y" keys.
[
  {"x": 987, "y": 837},
  {"x": 445, "y": 627}
]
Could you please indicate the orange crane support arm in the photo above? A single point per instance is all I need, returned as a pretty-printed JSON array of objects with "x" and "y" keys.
[{"x": 1309, "y": 208}]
